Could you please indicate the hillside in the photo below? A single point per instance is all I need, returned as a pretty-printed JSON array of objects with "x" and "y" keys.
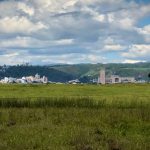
[
  {"x": 20, "y": 71},
  {"x": 85, "y": 72},
  {"x": 92, "y": 70}
]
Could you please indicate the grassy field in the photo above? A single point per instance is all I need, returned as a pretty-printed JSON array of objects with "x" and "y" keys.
[{"x": 75, "y": 117}]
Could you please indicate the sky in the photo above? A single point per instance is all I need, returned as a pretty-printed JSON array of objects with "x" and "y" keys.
[{"x": 44, "y": 32}]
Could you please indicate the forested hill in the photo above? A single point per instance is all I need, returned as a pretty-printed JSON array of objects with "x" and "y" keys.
[
  {"x": 20, "y": 71},
  {"x": 84, "y": 72},
  {"x": 92, "y": 70}
]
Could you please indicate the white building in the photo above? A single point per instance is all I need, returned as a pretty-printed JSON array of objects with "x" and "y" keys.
[
  {"x": 22, "y": 81},
  {"x": 115, "y": 79},
  {"x": 128, "y": 79},
  {"x": 37, "y": 76},
  {"x": 6, "y": 80},
  {"x": 45, "y": 79},
  {"x": 74, "y": 81},
  {"x": 12, "y": 80},
  {"x": 9, "y": 80},
  {"x": 25, "y": 80},
  {"x": 30, "y": 79}
]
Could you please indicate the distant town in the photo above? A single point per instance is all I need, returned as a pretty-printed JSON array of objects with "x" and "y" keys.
[
  {"x": 26, "y": 80},
  {"x": 102, "y": 79}
]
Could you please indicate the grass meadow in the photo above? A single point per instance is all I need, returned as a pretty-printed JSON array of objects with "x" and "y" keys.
[{"x": 75, "y": 117}]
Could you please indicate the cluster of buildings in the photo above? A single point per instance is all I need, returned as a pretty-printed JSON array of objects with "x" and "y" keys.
[
  {"x": 76, "y": 81},
  {"x": 113, "y": 79},
  {"x": 26, "y": 80},
  {"x": 102, "y": 79}
]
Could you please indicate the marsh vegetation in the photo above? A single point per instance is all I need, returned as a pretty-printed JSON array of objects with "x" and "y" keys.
[{"x": 78, "y": 117}]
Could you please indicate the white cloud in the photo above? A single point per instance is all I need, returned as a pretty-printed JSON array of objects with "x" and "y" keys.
[
  {"x": 137, "y": 51},
  {"x": 114, "y": 47},
  {"x": 23, "y": 56},
  {"x": 70, "y": 3},
  {"x": 28, "y": 42},
  {"x": 28, "y": 10},
  {"x": 128, "y": 17},
  {"x": 9, "y": 55},
  {"x": 43, "y": 3},
  {"x": 109, "y": 40},
  {"x": 74, "y": 58},
  {"x": 145, "y": 32},
  {"x": 15, "y": 42},
  {"x": 86, "y": 30},
  {"x": 64, "y": 42},
  {"x": 53, "y": 6},
  {"x": 13, "y": 57},
  {"x": 123, "y": 21},
  {"x": 19, "y": 25},
  {"x": 131, "y": 61},
  {"x": 96, "y": 15},
  {"x": 126, "y": 23}
]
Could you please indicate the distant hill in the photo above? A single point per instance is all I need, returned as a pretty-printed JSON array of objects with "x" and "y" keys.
[
  {"x": 84, "y": 72},
  {"x": 20, "y": 71},
  {"x": 138, "y": 70}
]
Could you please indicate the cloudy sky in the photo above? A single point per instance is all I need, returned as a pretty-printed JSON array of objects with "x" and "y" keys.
[{"x": 74, "y": 31}]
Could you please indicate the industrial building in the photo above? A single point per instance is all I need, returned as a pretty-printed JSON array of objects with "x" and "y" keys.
[
  {"x": 113, "y": 79},
  {"x": 102, "y": 76}
]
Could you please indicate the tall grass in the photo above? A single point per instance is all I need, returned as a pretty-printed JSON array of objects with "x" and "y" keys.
[
  {"x": 79, "y": 102},
  {"x": 48, "y": 102},
  {"x": 75, "y": 117}
]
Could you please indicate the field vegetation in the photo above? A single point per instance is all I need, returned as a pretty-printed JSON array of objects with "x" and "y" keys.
[{"x": 75, "y": 117}]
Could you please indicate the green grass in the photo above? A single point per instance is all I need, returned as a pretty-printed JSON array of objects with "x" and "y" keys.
[
  {"x": 94, "y": 91},
  {"x": 74, "y": 117}
]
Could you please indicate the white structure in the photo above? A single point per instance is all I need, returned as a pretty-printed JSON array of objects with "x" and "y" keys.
[
  {"x": 115, "y": 79},
  {"x": 128, "y": 79},
  {"x": 25, "y": 80},
  {"x": 37, "y": 76},
  {"x": 6, "y": 80},
  {"x": 9, "y": 80},
  {"x": 12, "y": 80},
  {"x": 141, "y": 81},
  {"x": 22, "y": 81},
  {"x": 30, "y": 79},
  {"x": 45, "y": 79},
  {"x": 95, "y": 80},
  {"x": 74, "y": 81}
]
